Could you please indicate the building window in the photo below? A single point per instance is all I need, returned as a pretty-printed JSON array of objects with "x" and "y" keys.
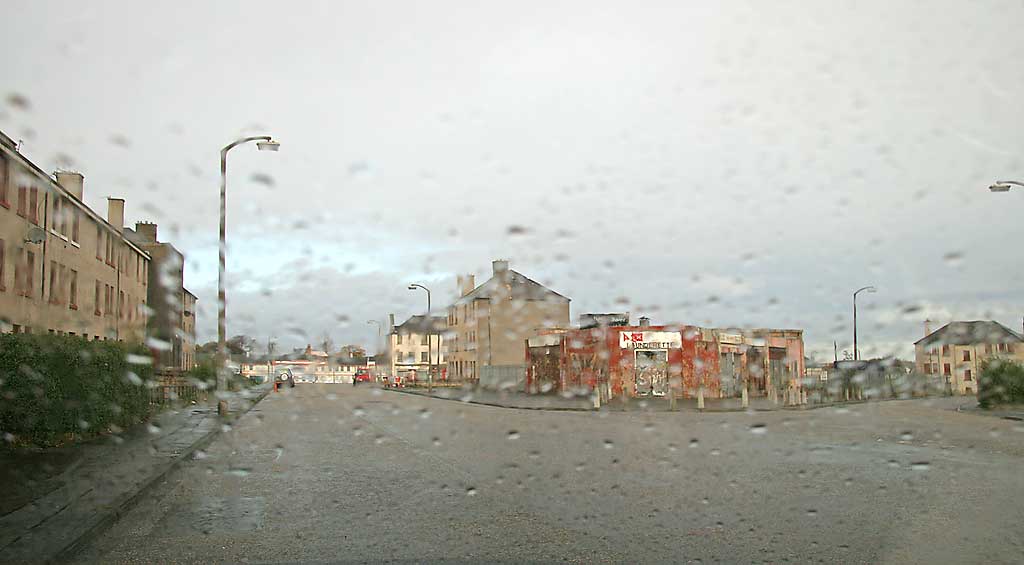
[
  {"x": 967, "y": 375},
  {"x": 75, "y": 221},
  {"x": 945, "y": 369},
  {"x": 96, "y": 300},
  {"x": 945, "y": 350},
  {"x": 54, "y": 281},
  {"x": 99, "y": 243},
  {"x": 425, "y": 340},
  {"x": 30, "y": 268},
  {"x": 3, "y": 263},
  {"x": 33, "y": 205},
  {"x": 22, "y": 201},
  {"x": 423, "y": 357},
  {"x": 398, "y": 339},
  {"x": 3, "y": 182},
  {"x": 73, "y": 298},
  {"x": 120, "y": 304},
  {"x": 967, "y": 355},
  {"x": 988, "y": 348},
  {"x": 55, "y": 217},
  {"x": 1009, "y": 348},
  {"x": 927, "y": 368}
]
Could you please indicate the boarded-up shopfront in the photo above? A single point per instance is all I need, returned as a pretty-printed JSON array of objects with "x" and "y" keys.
[{"x": 636, "y": 361}]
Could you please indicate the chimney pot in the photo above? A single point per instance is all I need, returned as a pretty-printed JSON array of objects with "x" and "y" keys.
[{"x": 71, "y": 181}]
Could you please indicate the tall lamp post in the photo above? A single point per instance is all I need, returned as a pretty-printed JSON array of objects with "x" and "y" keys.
[
  {"x": 870, "y": 289},
  {"x": 377, "y": 346},
  {"x": 430, "y": 327},
  {"x": 263, "y": 143}
]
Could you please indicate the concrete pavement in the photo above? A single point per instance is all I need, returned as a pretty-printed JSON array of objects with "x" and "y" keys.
[
  {"x": 328, "y": 473},
  {"x": 61, "y": 497}
]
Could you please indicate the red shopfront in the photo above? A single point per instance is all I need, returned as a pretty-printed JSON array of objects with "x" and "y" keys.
[{"x": 638, "y": 361}]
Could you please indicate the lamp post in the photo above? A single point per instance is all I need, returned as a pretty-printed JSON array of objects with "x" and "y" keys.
[
  {"x": 870, "y": 289},
  {"x": 430, "y": 359},
  {"x": 263, "y": 143},
  {"x": 377, "y": 347}
]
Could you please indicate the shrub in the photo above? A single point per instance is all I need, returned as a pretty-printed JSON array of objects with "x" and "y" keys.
[
  {"x": 1000, "y": 382},
  {"x": 53, "y": 388}
]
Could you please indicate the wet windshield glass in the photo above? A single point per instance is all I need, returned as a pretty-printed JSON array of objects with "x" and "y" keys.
[{"x": 533, "y": 282}]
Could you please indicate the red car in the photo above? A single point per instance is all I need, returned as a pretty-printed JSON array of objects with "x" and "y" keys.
[{"x": 362, "y": 376}]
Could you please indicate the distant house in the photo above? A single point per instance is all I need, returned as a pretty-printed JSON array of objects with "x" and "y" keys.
[
  {"x": 957, "y": 350},
  {"x": 488, "y": 324},
  {"x": 416, "y": 345}
]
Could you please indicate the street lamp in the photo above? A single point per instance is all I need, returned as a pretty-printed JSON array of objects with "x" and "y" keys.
[
  {"x": 1005, "y": 185},
  {"x": 430, "y": 360},
  {"x": 869, "y": 289},
  {"x": 379, "y": 332},
  {"x": 264, "y": 143}
]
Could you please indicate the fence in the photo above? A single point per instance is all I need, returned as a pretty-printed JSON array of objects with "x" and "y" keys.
[{"x": 173, "y": 388}]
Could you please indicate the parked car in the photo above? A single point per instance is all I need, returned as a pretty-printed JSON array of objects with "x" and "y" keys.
[
  {"x": 362, "y": 376},
  {"x": 285, "y": 378}
]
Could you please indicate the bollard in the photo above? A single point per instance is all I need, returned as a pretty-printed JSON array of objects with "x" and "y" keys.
[
  {"x": 700, "y": 398},
  {"x": 746, "y": 398}
]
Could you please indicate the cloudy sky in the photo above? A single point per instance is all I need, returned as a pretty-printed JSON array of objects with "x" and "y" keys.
[{"x": 726, "y": 163}]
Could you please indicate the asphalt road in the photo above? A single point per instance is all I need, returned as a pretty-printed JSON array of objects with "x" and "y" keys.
[{"x": 328, "y": 473}]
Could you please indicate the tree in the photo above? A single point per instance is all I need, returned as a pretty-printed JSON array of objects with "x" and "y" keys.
[
  {"x": 240, "y": 345},
  {"x": 1001, "y": 382},
  {"x": 271, "y": 347},
  {"x": 326, "y": 343}
]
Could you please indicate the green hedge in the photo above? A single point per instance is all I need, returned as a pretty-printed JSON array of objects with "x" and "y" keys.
[
  {"x": 55, "y": 388},
  {"x": 1000, "y": 382}
]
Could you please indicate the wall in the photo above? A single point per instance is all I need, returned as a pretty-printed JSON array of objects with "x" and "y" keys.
[{"x": 50, "y": 305}]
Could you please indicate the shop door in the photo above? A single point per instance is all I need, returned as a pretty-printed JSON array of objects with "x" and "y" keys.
[{"x": 651, "y": 373}]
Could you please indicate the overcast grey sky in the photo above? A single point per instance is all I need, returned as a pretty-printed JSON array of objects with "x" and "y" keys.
[{"x": 725, "y": 163}]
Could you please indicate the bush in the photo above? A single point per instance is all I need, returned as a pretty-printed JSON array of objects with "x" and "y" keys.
[
  {"x": 54, "y": 388},
  {"x": 1000, "y": 382}
]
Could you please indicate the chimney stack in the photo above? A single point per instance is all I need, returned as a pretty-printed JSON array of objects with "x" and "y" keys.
[
  {"x": 71, "y": 181},
  {"x": 115, "y": 213},
  {"x": 466, "y": 284},
  {"x": 927, "y": 327},
  {"x": 499, "y": 266},
  {"x": 146, "y": 231},
  {"x": 644, "y": 321},
  {"x": 391, "y": 323}
]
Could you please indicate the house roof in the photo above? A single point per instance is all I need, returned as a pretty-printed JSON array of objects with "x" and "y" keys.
[
  {"x": 515, "y": 283},
  {"x": 420, "y": 324},
  {"x": 967, "y": 333}
]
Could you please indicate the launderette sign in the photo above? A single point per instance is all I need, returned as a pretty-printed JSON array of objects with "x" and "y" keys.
[{"x": 650, "y": 340}]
